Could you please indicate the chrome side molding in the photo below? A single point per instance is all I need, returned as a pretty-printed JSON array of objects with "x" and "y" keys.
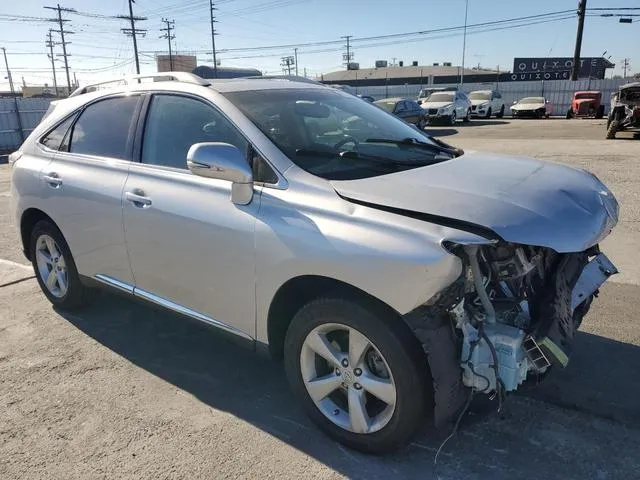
[{"x": 168, "y": 304}]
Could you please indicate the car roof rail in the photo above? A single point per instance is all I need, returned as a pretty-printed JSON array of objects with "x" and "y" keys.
[{"x": 184, "y": 77}]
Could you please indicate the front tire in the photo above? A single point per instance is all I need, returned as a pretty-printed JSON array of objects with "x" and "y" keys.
[
  {"x": 501, "y": 113},
  {"x": 488, "y": 115},
  {"x": 359, "y": 373},
  {"x": 612, "y": 129},
  {"x": 452, "y": 118},
  {"x": 55, "y": 268},
  {"x": 467, "y": 118}
]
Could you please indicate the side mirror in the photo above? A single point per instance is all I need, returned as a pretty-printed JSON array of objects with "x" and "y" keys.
[{"x": 224, "y": 162}]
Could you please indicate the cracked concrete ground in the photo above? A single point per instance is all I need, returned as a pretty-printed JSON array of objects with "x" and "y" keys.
[{"x": 122, "y": 390}]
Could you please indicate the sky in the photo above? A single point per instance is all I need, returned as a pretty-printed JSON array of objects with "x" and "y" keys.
[{"x": 100, "y": 51}]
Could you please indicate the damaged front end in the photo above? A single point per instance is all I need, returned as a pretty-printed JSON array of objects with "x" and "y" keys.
[{"x": 511, "y": 315}]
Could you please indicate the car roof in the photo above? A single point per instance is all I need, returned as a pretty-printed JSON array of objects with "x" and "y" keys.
[
  {"x": 595, "y": 92},
  {"x": 257, "y": 83},
  {"x": 630, "y": 85},
  {"x": 482, "y": 91}
]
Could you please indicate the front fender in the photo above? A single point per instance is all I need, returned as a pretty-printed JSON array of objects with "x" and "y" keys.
[{"x": 396, "y": 259}]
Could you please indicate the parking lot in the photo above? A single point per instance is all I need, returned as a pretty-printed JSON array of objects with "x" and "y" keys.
[{"x": 121, "y": 390}]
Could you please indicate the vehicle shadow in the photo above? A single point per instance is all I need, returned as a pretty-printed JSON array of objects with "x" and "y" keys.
[
  {"x": 440, "y": 132},
  {"x": 228, "y": 377}
]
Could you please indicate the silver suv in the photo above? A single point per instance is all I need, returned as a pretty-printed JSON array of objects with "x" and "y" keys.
[{"x": 394, "y": 274}]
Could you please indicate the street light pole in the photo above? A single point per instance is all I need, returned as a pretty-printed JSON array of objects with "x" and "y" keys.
[{"x": 464, "y": 40}]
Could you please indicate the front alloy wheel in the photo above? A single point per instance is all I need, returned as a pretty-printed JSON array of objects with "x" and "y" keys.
[
  {"x": 359, "y": 372},
  {"x": 347, "y": 378}
]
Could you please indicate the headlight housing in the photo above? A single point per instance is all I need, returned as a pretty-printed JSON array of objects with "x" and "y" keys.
[{"x": 445, "y": 110}]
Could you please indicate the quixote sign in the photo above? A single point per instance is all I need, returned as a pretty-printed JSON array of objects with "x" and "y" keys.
[{"x": 525, "y": 69}]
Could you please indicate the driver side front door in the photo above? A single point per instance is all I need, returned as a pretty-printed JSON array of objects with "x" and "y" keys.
[{"x": 191, "y": 249}]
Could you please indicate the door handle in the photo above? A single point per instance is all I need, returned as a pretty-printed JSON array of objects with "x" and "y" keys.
[
  {"x": 138, "y": 200},
  {"x": 53, "y": 180}
]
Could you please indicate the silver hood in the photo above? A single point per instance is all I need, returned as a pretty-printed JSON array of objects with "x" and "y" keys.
[
  {"x": 436, "y": 104},
  {"x": 527, "y": 106},
  {"x": 522, "y": 200}
]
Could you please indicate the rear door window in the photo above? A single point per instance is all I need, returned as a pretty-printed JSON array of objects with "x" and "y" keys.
[{"x": 104, "y": 128}]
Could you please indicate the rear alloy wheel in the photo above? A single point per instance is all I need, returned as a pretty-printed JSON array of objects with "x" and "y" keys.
[
  {"x": 359, "y": 376},
  {"x": 54, "y": 267}
]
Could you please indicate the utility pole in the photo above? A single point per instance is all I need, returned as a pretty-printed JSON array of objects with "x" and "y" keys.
[
  {"x": 464, "y": 40},
  {"x": 6, "y": 64},
  {"x": 213, "y": 38},
  {"x": 50, "y": 44},
  {"x": 170, "y": 26},
  {"x": 347, "y": 57},
  {"x": 295, "y": 53},
  {"x": 582, "y": 7},
  {"x": 13, "y": 94},
  {"x": 625, "y": 65},
  {"x": 63, "y": 42},
  {"x": 286, "y": 63},
  {"x": 133, "y": 32}
]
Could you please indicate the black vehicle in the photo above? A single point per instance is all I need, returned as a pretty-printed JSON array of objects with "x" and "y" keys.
[{"x": 408, "y": 110}]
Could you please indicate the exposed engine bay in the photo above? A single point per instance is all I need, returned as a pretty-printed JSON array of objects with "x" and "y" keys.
[{"x": 511, "y": 315}]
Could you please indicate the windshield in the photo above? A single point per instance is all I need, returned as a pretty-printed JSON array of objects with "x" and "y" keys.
[
  {"x": 480, "y": 96},
  {"x": 389, "y": 106},
  {"x": 338, "y": 136},
  {"x": 580, "y": 96},
  {"x": 441, "y": 97},
  {"x": 532, "y": 100}
]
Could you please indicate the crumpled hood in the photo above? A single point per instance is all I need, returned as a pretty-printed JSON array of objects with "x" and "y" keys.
[
  {"x": 527, "y": 106},
  {"x": 523, "y": 200},
  {"x": 435, "y": 104}
]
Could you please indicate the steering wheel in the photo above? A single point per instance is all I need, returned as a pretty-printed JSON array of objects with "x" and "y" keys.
[{"x": 345, "y": 140}]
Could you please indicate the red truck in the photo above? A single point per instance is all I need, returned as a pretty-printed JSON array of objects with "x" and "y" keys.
[{"x": 586, "y": 104}]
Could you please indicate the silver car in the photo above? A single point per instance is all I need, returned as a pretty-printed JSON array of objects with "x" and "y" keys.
[
  {"x": 447, "y": 106},
  {"x": 394, "y": 274}
]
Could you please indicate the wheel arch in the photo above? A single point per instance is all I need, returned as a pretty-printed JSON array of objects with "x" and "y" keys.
[
  {"x": 28, "y": 220},
  {"x": 298, "y": 291}
]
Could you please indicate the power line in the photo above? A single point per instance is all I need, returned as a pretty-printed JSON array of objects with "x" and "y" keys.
[
  {"x": 62, "y": 32},
  {"x": 133, "y": 32},
  {"x": 170, "y": 25}
]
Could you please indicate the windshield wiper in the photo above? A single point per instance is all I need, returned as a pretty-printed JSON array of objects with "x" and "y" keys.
[
  {"x": 377, "y": 159},
  {"x": 412, "y": 142}
]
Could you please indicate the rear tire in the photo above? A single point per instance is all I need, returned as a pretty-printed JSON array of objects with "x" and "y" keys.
[
  {"x": 55, "y": 268},
  {"x": 395, "y": 348},
  {"x": 452, "y": 118}
]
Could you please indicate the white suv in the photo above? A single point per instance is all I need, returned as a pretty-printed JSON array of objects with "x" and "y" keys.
[
  {"x": 485, "y": 103},
  {"x": 395, "y": 274}
]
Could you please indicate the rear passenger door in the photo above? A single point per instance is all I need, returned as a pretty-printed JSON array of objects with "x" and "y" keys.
[{"x": 84, "y": 184}]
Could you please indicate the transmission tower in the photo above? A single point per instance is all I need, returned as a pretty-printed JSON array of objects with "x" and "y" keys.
[
  {"x": 287, "y": 63},
  {"x": 347, "y": 57}
]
